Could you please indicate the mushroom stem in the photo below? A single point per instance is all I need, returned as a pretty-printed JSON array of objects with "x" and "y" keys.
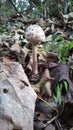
[{"x": 35, "y": 64}]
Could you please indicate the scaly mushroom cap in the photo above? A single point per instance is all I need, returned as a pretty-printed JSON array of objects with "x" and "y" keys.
[{"x": 35, "y": 34}]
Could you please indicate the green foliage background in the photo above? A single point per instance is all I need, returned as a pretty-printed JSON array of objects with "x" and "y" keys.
[{"x": 37, "y": 8}]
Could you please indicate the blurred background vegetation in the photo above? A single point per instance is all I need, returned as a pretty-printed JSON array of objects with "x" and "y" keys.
[{"x": 35, "y": 8}]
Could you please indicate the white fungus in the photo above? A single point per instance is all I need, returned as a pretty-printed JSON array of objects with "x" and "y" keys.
[{"x": 35, "y": 34}]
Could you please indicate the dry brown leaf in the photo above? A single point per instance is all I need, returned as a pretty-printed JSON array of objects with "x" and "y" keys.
[
  {"x": 29, "y": 66},
  {"x": 15, "y": 48},
  {"x": 44, "y": 86},
  {"x": 46, "y": 76},
  {"x": 6, "y": 59},
  {"x": 17, "y": 101},
  {"x": 48, "y": 88}
]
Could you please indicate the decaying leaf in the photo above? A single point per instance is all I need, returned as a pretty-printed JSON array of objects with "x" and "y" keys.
[
  {"x": 44, "y": 86},
  {"x": 50, "y": 127},
  {"x": 15, "y": 47},
  {"x": 30, "y": 63},
  {"x": 45, "y": 82},
  {"x": 61, "y": 72},
  {"x": 17, "y": 97},
  {"x": 46, "y": 76}
]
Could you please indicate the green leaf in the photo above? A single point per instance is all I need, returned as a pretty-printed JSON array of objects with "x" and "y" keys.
[
  {"x": 58, "y": 94},
  {"x": 70, "y": 45},
  {"x": 49, "y": 38},
  {"x": 24, "y": 41},
  {"x": 66, "y": 85},
  {"x": 56, "y": 39},
  {"x": 55, "y": 99}
]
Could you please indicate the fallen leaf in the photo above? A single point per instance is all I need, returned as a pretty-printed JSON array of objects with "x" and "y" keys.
[
  {"x": 15, "y": 47},
  {"x": 17, "y": 97}
]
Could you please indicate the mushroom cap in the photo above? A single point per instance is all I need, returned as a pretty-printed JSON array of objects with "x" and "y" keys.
[{"x": 35, "y": 34}]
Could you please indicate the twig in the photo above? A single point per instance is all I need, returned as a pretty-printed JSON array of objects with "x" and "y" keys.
[
  {"x": 48, "y": 104},
  {"x": 14, "y": 6},
  {"x": 55, "y": 117}
]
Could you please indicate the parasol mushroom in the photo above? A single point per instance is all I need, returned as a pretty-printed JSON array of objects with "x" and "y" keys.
[{"x": 35, "y": 34}]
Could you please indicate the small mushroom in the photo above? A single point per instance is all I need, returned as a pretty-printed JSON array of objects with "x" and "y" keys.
[{"x": 35, "y": 34}]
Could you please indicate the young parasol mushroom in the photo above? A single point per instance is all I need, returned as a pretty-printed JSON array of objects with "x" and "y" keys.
[{"x": 35, "y": 34}]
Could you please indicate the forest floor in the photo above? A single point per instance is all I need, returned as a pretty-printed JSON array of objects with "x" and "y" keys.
[{"x": 54, "y": 82}]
